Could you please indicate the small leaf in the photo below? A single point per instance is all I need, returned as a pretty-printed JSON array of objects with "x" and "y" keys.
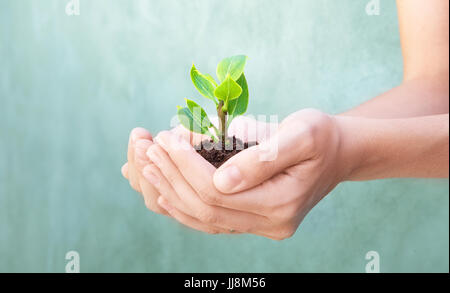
[
  {"x": 203, "y": 84},
  {"x": 211, "y": 79},
  {"x": 187, "y": 120},
  {"x": 238, "y": 106},
  {"x": 199, "y": 114},
  {"x": 233, "y": 66},
  {"x": 228, "y": 90}
]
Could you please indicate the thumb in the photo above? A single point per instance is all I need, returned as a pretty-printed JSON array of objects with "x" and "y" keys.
[{"x": 257, "y": 164}]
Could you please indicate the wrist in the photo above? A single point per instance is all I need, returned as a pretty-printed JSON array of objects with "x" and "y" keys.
[{"x": 351, "y": 149}]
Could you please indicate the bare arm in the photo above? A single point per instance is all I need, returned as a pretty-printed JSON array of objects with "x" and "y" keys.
[
  {"x": 316, "y": 151},
  {"x": 388, "y": 148},
  {"x": 410, "y": 135},
  {"x": 424, "y": 33}
]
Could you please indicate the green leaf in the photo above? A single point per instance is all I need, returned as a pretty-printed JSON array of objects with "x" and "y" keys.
[
  {"x": 238, "y": 106},
  {"x": 199, "y": 114},
  {"x": 211, "y": 79},
  {"x": 187, "y": 120},
  {"x": 203, "y": 84},
  {"x": 233, "y": 66},
  {"x": 228, "y": 90}
]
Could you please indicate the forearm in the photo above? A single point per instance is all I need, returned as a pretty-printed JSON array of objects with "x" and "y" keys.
[
  {"x": 389, "y": 148},
  {"x": 416, "y": 97},
  {"x": 425, "y": 45}
]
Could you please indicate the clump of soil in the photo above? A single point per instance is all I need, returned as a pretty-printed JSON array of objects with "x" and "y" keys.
[{"x": 218, "y": 153}]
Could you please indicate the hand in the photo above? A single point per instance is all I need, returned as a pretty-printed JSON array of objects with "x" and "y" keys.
[
  {"x": 139, "y": 141},
  {"x": 195, "y": 215},
  {"x": 246, "y": 194}
]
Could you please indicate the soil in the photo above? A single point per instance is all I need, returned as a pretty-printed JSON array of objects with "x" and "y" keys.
[{"x": 217, "y": 154}]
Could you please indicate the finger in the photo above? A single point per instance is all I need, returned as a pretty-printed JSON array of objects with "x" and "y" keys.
[
  {"x": 194, "y": 223},
  {"x": 188, "y": 220},
  {"x": 173, "y": 202},
  {"x": 153, "y": 175},
  {"x": 170, "y": 201},
  {"x": 124, "y": 170},
  {"x": 250, "y": 130},
  {"x": 209, "y": 214},
  {"x": 140, "y": 157},
  {"x": 135, "y": 135},
  {"x": 149, "y": 192},
  {"x": 192, "y": 137},
  {"x": 197, "y": 225},
  {"x": 257, "y": 164},
  {"x": 199, "y": 173}
]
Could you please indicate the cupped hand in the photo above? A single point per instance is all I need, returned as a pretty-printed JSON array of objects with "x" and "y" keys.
[
  {"x": 253, "y": 192},
  {"x": 140, "y": 140}
]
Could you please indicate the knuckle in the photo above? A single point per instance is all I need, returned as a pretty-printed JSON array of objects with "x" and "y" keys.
[
  {"x": 208, "y": 196},
  {"x": 279, "y": 215},
  {"x": 286, "y": 207},
  {"x": 286, "y": 212},
  {"x": 135, "y": 186},
  {"x": 207, "y": 216},
  {"x": 149, "y": 205},
  {"x": 270, "y": 208},
  {"x": 171, "y": 177},
  {"x": 285, "y": 233},
  {"x": 160, "y": 211},
  {"x": 308, "y": 138},
  {"x": 310, "y": 121},
  {"x": 265, "y": 167}
]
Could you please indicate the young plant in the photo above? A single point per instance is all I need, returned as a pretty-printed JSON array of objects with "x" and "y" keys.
[{"x": 230, "y": 96}]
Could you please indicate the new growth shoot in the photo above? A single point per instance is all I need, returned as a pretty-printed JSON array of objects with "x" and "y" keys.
[{"x": 230, "y": 97}]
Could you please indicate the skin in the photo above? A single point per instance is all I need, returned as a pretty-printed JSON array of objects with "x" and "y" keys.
[{"x": 401, "y": 133}]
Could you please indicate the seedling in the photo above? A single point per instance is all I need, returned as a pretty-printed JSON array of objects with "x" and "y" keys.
[{"x": 230, "y": 96}]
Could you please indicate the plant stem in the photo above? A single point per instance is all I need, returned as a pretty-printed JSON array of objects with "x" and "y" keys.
[
  {"x": 222, "y": 122},
  {"x": 217, "y": 132}
]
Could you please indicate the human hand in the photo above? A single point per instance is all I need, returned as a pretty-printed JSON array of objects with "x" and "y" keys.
[
  {"x": 139, "y": 141},
  {"x": 246, "y": 194},
  {"x": 244, "y": 128}
]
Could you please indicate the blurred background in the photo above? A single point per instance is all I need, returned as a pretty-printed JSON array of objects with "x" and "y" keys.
[{"x": 72, "y": 87}]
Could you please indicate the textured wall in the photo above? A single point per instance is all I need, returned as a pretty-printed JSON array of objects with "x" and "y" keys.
[{"x": 71, "y": 88}]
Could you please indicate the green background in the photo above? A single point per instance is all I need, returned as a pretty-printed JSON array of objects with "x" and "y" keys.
[{"x": 72, "y": 87}]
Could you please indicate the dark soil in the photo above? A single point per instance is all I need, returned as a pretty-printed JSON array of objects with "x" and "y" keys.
[{"x": 217, "y": 154}]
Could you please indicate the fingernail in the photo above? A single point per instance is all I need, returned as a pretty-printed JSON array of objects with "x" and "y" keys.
[
  {"x": 138, "y": 133},
  {"x": 153, "y": 156},
  {"x": 151, "y": 177},
  {"x": 228, "y": 178}
]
